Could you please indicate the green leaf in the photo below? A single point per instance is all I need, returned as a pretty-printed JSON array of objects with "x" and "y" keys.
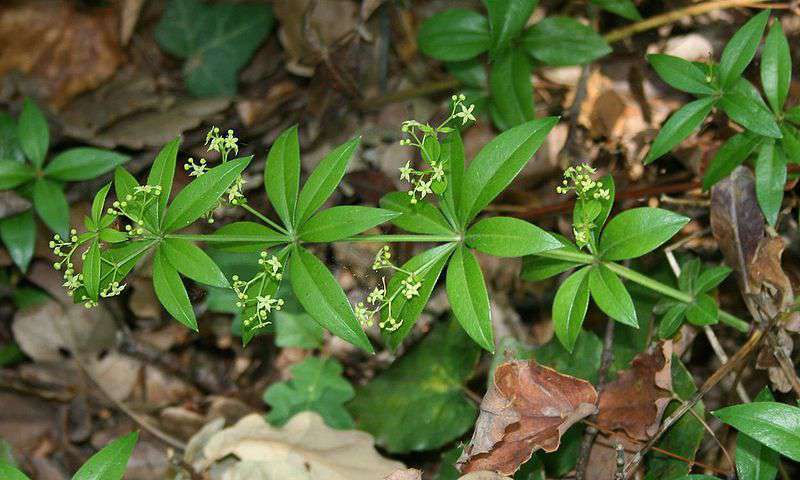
[
  {"x": 507, "y": 18},
  {"x": 33, "y": 133},
  {"x": 711, "y": 278},
  {"x": 125, "y": 183},
  {"x": 316, "y": 385},
  {"x": 776, "y": 67},
  {"x": 471, "y": 73},
  {"x": 99, "y": 202},
  {"x": 296, "y": 329},
  {"x": 623, "y": 8},
  {"x": 746, "y": 107},
  {"x": 741, "y": 49},
  {"x": 732, "y": 154},
  {"x": 188, "y": 259},
  {"x": 91, "y": 270},
  {"x": 511, "y": 89},
  {"x": 753, "y": 460},
  {"x": 454, "y": 35},
  {"x": 611, "y": 295},
  {"x": 703, "y": 311},
  {"x": 638, "y": 231},
  {"x": 420, "y": 217},
  {"x": 110, "y": 462},
  {"x": 18, "y": 234},
  {"x": 323, "y": 298},
  {"x": 248, "y": 237},
  {"x": 430, "y": 264},
  {"x": 424, "y": 391},
  {"x": 681, "y": 74},
  {"x": 83, "y": 163},
  {"x": 793, "y": 114},
  {"x": 8, "y": 472},
  {"x": 324, "y": 179},
  {"x": 14, "y": 174},
  {"x": 498, "y": 163},
  {"x": 535, "y": 268},
  {"x": 217, "y": 41},
  {"x": 51, "y": 205},
  {"x": 790, "y": 143},
  {"x": 469, "y": 299},
  {"x": 453, "y": 158},
  {"x": 282, "y": 174},
  {"x": 689, "y": 272},
  {"x": 340, "y": 222},
  {"x": 773, "y": 424},
  {"x": 171, "y": 292},
  {"x": 162, "y": 173},
  {"x": 200, "y": 196},
  {"x": 561, "y": 41},
  {"x": 10, "y": 149},
  {"x": 583, "y": 361},
  {"x": 672, "y": 320},
  {"x": 770, "y": 180},
  {"x": 509, "y": 237},
  {"x": 569, "y": 307},
  {"x": 679, "y": 126}
]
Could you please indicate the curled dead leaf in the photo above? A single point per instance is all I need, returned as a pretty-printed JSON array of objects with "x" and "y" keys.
[
  {"x": 414, "y": 474},
  {"x": 635, "y": 401},
  {"x": 527, "y": 408}
]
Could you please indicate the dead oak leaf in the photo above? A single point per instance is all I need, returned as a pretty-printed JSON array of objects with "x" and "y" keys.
[
  {"x": 635, "y": 401},
  {"x": 527, "y": 408}
]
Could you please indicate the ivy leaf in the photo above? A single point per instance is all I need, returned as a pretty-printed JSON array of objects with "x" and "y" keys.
[
  {"x": 282, "y": 174},
  {"x": 498, "y": 163},
  {"x": 507, "y": 18},
  {"x": 468, "y": 297},
  {"x": 171, "y": 292},
  {"x": 33, "y": 133},
  {"x": 18, "y": 234},
  {"x": 511, "y": 89},
  {"x": 340, "y": 222},
  {"x": 776, "y": 67},
  {"x": 316, "y": 385},
  {"x": 202, "y": 195},
  {"x": 14, "y": 174},
  {"x": 754, "y": 460},
  {"x": 322, "y": 297},
  {"x": 51, "y": 205},
  {"x": 745, "y": 106},
  {"x": 454, "y": 35},
  {"x": 216, "y": 40},
  {"x": 638, "y": 231},
  {"x": 611, "y": 295},
  {"x": 562, "y": 41},
  {"x": 191, "y": 261},
  {"x": 732, "y": 154},
  {"x": 83, "y": 163},
  {"x": 424, "y": 391},
  {"x": 623, "y": 8},
  {"x": 324, "y": 179},
  {"x": 405, "y": 310},
  {"x": 741, "y": 49},
  {"x": 775, "y": 425},
  {"x": 110, "y": 462},
  {"x": 679, "y": 126},
  {"x": 569, "y": 307},
  {"x": 681, "y": 74},
  {"x": 420, "y": 217},
  {"x": 770, "y": 179},
  {"x": 509, "y": 237}
]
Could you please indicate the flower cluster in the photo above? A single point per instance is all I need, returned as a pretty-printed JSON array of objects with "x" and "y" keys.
[
  {"x": 251, "y": 296},
  {"x": 589, "y": 192},
  {"x": 224, "y": 145},
  {"x": 426, "y": 137},
  {"x": 134, "y": 205}
]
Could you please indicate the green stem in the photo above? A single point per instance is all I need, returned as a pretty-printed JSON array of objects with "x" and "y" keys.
[
  {"x": 733, "y": 321},
  {"x": 223, "y": 239},
  {"x": 570, "y": 256},
  {"x": 263, "y": 218},
  {"x": 399, "y": 238}
]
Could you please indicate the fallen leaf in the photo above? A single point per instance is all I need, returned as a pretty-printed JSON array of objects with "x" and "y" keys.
[
  {"x": 304, "y": 449},
  {"x": 414, "y": 474},
  {"x": 130, "y": 10},
  {"x": 635, "y": 401},
  {"x": 529, "y": 407},
  {"x": 408, "y": 474},
  {"x": 66, "y": 50},
  {"x": 766, "y": 275}
]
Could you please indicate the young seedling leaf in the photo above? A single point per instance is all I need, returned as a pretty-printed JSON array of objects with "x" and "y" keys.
[
  {"x": 509, "y": 237},
  {"x": 344, "y": 221},
  {"x": 569, "y": 307},
  {"x": 171, "y": 292},
  {"x": 562, "y": 41},
  {"x": 454, "y": 35},
  {"x": 282, "y": 174},
  {"x": 469, "y": 299}
]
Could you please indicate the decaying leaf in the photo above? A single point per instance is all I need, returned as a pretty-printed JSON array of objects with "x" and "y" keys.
[
  {"x": 766, "y": 275},
  {"x": 66, "y": 50},
  {"x": 414, "y": 474},
  {"x": 527, "y": 408},
  {"x": 304, "y": 449},
  {"x": 635, "y": 401}
]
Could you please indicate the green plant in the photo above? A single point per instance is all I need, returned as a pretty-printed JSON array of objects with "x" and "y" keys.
[
  {"x": 770, "y": 132},
  {"x": 460, "y": 37},
  {"x": 24, "y": 167},
  {"x": 107, "y": 464}
]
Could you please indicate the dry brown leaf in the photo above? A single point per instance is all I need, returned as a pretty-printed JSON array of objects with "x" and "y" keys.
[
  {"x": 407, "y": 474},
  {"x": 766, "y": 275},
  {"x": 414, "y": 474},
  {"x": 304, "y": 449},
  {"x": 635, "y": 401},
  {"x": 66, "y": 50},
  {"x": 527, "y": 408}
]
